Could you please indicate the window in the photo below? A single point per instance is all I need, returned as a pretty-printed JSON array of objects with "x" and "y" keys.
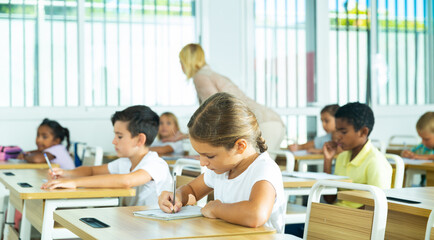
[
  {"x": 403, "y": 64},
  {"x": 130, "y": 47},
  {"x": 285, "y": 61}
]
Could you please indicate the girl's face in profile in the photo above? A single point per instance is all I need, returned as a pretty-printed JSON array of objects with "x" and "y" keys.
[
  {"x": 217, "y": 159},
  {"x": 45, "y": 138},
  {"x": 167, "y": 127},
  {"x": 328, "y": 122}
]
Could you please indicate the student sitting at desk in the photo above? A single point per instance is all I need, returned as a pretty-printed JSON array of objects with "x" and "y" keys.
[
  {"x": 135, "y": 129},
  {"x": 49, "y": 140},
  {"x": 247, "y": 183},
  {"x": 168, "y": 129},
  {"x": 328, "y": 123},
  {"x": 425, "y": 129},
  {"x": 361, "y": 161}
]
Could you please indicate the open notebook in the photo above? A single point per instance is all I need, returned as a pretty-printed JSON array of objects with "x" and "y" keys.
[
  {"x": 313, "y": 175},
  {"x": 186, "y": 212}
]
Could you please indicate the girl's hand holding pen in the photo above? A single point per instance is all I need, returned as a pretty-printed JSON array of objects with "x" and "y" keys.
[{"x": 165, "y": 202}]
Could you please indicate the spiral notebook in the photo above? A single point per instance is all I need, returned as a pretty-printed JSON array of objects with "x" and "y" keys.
[{"x": 186, "y": 212}]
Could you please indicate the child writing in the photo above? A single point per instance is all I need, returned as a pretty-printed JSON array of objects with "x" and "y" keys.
[
  {"x": 425, "y": 129},
  {"x": 169, "y": 128},
  {"x": 135, "y": 129},
  {"x": 328, "y": 123},
  {"x": 361, "y": 161},
  {"x": 247, "y": 183},
  {"x": 49, "y": 138}
]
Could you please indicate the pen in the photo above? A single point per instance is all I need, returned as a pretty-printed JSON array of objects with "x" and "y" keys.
[
  {"x": 174, "y": 191},
  {"x": 48, "y": 162}
]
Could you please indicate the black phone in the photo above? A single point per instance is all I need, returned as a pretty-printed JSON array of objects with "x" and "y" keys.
[
  {"x": 9, "y": 173},
  {"x": 402, "y": 200},
  {"x": 24, "y": 184},
  {"x": 93, "y": 222}
]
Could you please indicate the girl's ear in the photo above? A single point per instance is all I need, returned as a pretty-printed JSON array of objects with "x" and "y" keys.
[
  {"x": 240, "y": 145},
  {"x": 57, "y": 141},
  {"x": 141, "y": 139}
]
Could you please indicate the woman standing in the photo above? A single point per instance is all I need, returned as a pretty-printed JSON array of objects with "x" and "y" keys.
[{"x": 207, "y": 82}]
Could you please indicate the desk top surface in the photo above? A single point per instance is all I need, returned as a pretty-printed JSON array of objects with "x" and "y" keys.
[
  {"x": 24, "y": 165},
  {"x": 424, "y": 195},
  {"x": 36, "y": 177},
  {"x": 124, "y": 225},
  {"x": 295, "y": 182}
]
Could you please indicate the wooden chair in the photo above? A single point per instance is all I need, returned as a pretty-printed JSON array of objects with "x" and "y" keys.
[
  {"x": 403, "y": 140},
  {"x": 182, "y": 163},
  {"x": 325, "y": 221},
  {"x": 399, "y": 169}
]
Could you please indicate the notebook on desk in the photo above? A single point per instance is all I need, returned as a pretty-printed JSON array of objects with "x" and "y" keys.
[
  {"x": 313, "y": 175},
  {"x": 186, "y": 212}
]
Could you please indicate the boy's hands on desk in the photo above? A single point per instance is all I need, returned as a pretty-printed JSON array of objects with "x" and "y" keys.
[
  {"x": 208, "y": 210},
  {"x": 408, "y": 154},
  {"x": 59, "y": 183}
]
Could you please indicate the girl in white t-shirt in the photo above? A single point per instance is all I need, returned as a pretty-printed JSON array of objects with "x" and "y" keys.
[
  {"x": 167, "y": 132},
  {"x": 247, "y": 183}
]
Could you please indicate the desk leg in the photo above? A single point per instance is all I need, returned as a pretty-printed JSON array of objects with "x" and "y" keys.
[
  {"x": 9, "y": 218},
  {"x": 429, "y": 178},
  {"x": 4, "y": 199},
  {"x": 25, "y": 227},
  {"x": 302, "y": 167}
]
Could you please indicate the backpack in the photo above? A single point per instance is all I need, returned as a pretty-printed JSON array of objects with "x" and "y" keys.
[{"x": 7, "y": 152}]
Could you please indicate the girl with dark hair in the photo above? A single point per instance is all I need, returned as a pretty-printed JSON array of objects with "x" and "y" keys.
[{"x": 49, "y": 140}]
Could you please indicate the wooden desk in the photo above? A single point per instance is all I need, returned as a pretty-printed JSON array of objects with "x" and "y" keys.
[
  {"x": 303, "y": 159},
  {"x": 404, "y": 221},
  {"x": 17, "y": 165},
  {"x": 428, "y": 167},
  {"x": 37, "y": 205},
  {"x": 124, "y": 225}
]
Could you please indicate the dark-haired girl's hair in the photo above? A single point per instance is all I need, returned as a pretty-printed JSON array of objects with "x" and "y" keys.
[
  {"x": 58, "y": 131},
  {"x": 223, "y": 119}
]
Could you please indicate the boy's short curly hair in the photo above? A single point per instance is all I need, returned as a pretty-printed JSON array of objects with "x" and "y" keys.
[
  {"x": 357, "y": 114},
  {"x": 426, "y": 122},
  {"x": 141, "y": 119}
]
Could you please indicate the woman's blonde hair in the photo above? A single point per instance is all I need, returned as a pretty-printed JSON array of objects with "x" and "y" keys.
[
  {"x": 223, "y": 119},
  {"x": 173, "y": 118},
  {"x": 192, "y": 57},
  {"x": 426, "y": 122}
]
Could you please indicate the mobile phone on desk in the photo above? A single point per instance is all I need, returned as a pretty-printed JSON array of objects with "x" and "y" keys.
[
  {"x": 24, "y": 185},
  {"x": 93, "y": 222}
]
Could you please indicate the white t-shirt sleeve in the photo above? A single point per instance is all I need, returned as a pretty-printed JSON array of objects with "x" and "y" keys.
[{"x": 114, "y": 167}]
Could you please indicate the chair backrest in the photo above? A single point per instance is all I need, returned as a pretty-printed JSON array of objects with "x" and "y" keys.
[
  {"x": 290, "y": 159},
  {"x": 380, "y": 145},
  {"x": 324, "y": 220},
  {"x": 182, "y": 163},
  {"x": 399, "y": 169},
  {"x": 403, "y": 140},
  {"x": 92, "y": 156}
]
